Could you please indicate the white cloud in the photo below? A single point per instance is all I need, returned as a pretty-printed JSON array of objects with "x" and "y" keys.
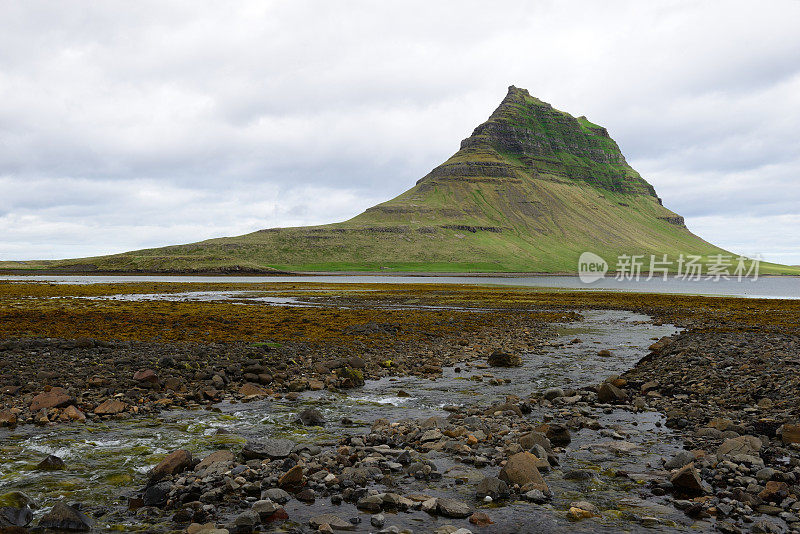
[{"x": 126, "y": 125}]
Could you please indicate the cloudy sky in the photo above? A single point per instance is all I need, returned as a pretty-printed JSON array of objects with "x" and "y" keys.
[{"x": 126, "y": 125}]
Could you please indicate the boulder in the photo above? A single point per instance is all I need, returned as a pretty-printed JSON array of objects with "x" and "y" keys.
[
  {"x": 51, "y": 463},
  {"x": 64, "y": 517},
  {"x": 55, "y": 398},
  {"x": 558, "y": 435},
  {"x": 71, "y": 413},
  {"x": 215, "y": 457},
  {"x": 452, "y": 508},
  {"x": 157, "y": 494},
  {"x": 276, "y": 495},
  {"x": 609, "y": 393},
  {"x": 687, "y": 480},
  {"x": 521, "y": 469},
  {"x": 293, "y": 478},
  {"x": 311, "y": 417},
  {"x": 11, "y": 516},
  {"x": 274, "y": 449},
  {"x": 492, "y": 487},
  {"x": 174, "y": 463},
  {"x": 253, "y": 390},
  {"x": 790, "y": 433},
  {"x": 746, "y": 445},
  {"x": 146, "y": 376},
  {"x": 334, "y": 521},
  {"x": 111, "y": 407},
  {"x": 503, "y": 359},
  {"x": 7, "y": 418}
]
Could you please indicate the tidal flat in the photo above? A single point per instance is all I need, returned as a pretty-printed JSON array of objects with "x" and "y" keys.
[{"x": 304, "y": 407}]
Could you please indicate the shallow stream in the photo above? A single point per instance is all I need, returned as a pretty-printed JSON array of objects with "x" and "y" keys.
[{"x": 105, "y": 462}]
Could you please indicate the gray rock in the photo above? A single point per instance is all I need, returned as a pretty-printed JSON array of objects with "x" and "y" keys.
[
  {"x": 536, "y": 496},
  {"x": 553, "y": 393},
  {"x": 377, "y": 520},
  {"x": 265, "y": 508},
  {"x": 247, "y": 520},
  {"x": 276, "y": 495},
  {"x": 453, "y": 508},
  {"x": 744, "y": 445},
  {"x": 274, "y": 449},
  {"x": 679, "y": 460},
  {"x": 311, "y": 417},
  {"x": 64, "y": 517},
  {"x": 11, "y": 516},
  {"x": 492, "y": 487}
]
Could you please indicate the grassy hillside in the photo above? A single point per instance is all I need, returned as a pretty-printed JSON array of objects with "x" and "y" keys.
[{"x": 529, "y": 191}]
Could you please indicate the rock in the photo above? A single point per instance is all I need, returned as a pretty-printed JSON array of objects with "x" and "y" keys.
[
  {"x": 528, "y": 441},
  {"x": 7, "y": 418},
  {"x": 157, "y": 494},
  {"x": 480, "y": 519},
  {"x": 765, "y": 527},
  {"x": 748, "y": 445},
  {"x": 71, "y": 413},
  {"x": 453, "y": 508},
  {"x": 679, "y": 460},
  {"x": 578, "y": 474},
  {"x": 147, "y": 376},
  {"x": 222, "y": 456},
  {"x": 265, "y": 508},
  {"x": 553, "y": 393},
  {"x": 536, "y": 496},
  {"x": 55, "y": 398},
  {"x": 558, "y": 435},
  {"x": 247, "y": 520},
  {"x": 609, "y": 393},
  {"x": 276, "y": 495},
  {"x": 51, "y": 463},
  {"x": 377, "y": 520},
  {"x": 370, "y": 503},
  {"x": 582, "y": 510},
  {"x": 174, "y": 463},
  {"x": 11, "y": 516},
  {"x": 293, "y": 478},
  {"x": 64, "y": 517},
  {"x": 774, "y": 491},
  {"x": 335, "y": 522},
  {"x": 311, "y": 417},
  {"x": 605, "y": 353},
  {"x": 493, "y": 487},
  {"x": 790, "y": 433},
  {"x": 521, "y": 469},
  {"x": 252, "y": 390},
  {"x": 502, "y": 359},
  {"x": 274, "y": 449},
  {"x": 688, "y": 481},
  {"x": 111, "y": 407}
]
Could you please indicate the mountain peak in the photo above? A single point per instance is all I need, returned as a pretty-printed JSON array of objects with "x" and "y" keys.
[{"x": 550, "y": 144}]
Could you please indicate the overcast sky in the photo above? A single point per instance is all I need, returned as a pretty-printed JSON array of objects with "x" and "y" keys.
[{"x": 126, "y": 125}]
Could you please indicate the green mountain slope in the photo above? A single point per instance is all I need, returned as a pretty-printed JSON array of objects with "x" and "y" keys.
[{"x": 529, "y": 191}]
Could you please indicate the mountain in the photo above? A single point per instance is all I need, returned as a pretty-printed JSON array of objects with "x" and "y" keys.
[{"x": 529, "y": 191}]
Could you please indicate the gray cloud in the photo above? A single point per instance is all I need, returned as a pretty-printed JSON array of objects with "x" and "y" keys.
[{"x": 125, "y": 125}]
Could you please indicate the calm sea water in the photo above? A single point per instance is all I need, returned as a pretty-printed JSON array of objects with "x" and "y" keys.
[{"x": 787, "y": 287}]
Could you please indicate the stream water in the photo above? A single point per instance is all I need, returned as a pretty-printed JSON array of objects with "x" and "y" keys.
[{"x": 106, "y": 461}]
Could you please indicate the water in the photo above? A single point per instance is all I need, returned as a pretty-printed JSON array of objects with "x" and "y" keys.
[
  {"x": 787, "y": 287},
  {"x": 106, "y": 461}
]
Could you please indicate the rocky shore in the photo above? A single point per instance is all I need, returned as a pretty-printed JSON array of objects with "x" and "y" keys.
[{"x": 726, "y": 392}]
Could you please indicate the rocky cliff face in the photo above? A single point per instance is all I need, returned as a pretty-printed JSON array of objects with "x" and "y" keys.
[{"x": 544, "y": 143}]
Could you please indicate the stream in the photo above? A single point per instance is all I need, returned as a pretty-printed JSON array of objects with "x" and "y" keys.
[{"x": 107, "y": 461}]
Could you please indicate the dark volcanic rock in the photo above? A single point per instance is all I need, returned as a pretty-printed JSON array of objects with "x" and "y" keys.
[{"x": 64, "y": 517}]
